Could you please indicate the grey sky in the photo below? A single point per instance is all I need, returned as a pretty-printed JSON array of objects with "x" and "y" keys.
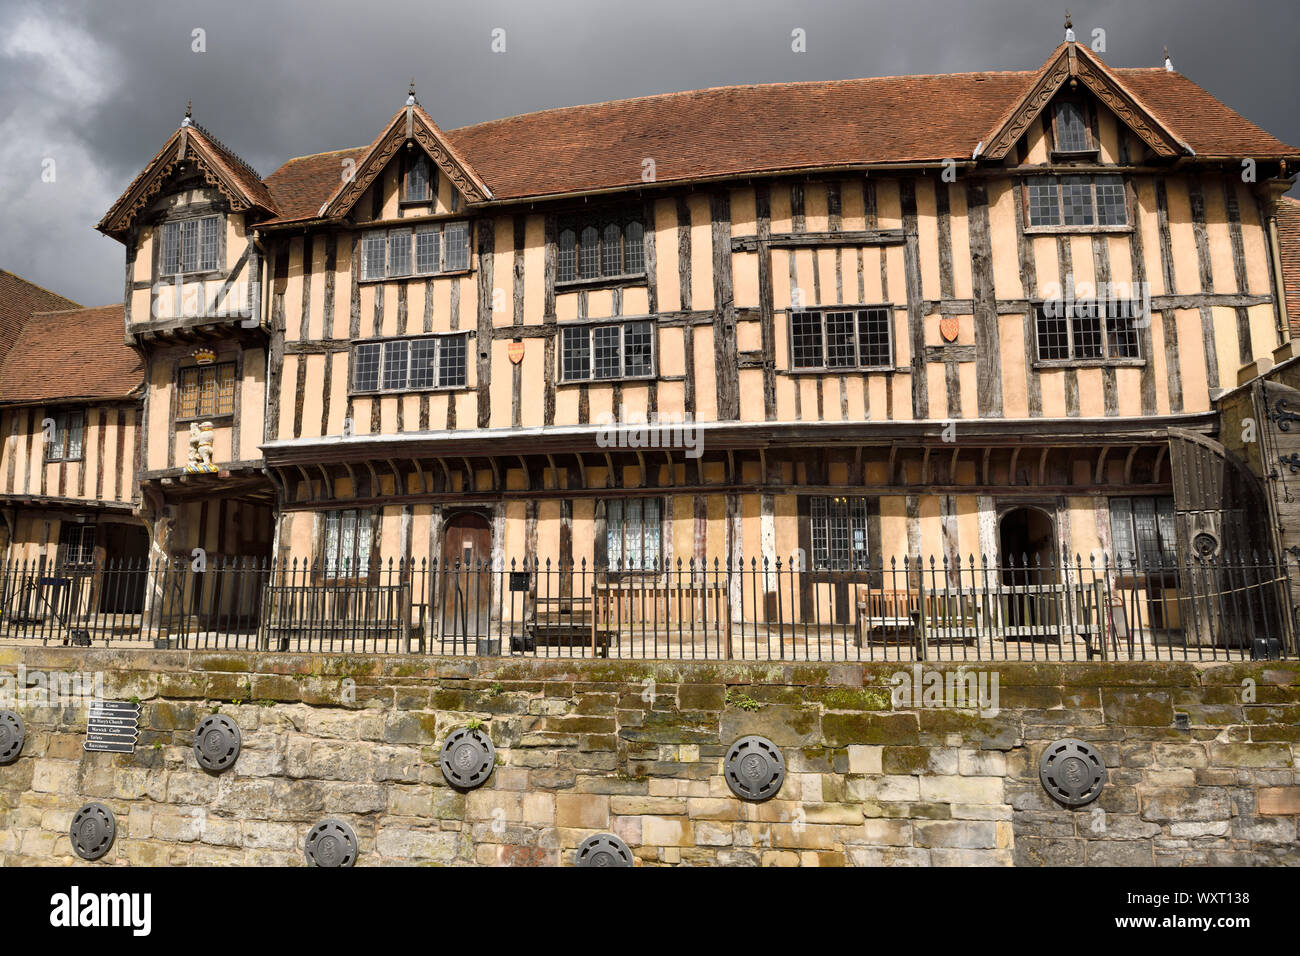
[{"x": 98, "y": 85}]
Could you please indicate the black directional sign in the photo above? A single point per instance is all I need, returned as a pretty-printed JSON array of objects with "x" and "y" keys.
[{"x": 112, "y": 726}]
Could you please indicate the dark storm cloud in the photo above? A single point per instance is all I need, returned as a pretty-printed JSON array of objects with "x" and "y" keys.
[{"x": 98, "y": 86}]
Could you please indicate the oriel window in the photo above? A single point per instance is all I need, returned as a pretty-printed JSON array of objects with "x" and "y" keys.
[{"x": 189, "y": 245}]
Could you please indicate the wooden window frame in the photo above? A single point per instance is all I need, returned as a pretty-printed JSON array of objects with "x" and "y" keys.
[
  {"x": 198, "y": 370},
  {"x": 387, "y": 273},
  {"x": 624, "y": 219},
  {"x": 853, "y": 503},
  {"x": 1089, "y": 116},
  {"x": 430, "y": 181},
  {"x": 383, "y": 344},
  {"x": 590, "y": 328},
  {"x": 658, "y": 566},
  {"x": 160, "y": 264},
  {"x": 1168, "y": 550},
  {"x": 323, "y": 573},
  {"x": 824, "y": 369},
  {"x": 1095, "y": 228},
  {"x": 62, "y": 417},
  {"x": 1107, "y": 360},
  {"x": 65, "y": 547}
]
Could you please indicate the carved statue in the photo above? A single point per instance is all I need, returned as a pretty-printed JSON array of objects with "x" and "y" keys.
[{"x": 201, "y": 438}]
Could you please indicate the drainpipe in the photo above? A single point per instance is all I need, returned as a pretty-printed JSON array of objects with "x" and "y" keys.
[
  {"x": 1272, "y": 191},
  {"x": 1276, "y": 254}
]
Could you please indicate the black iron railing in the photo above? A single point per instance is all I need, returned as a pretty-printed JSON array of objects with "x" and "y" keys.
[{"x": 1154, "y": 607}]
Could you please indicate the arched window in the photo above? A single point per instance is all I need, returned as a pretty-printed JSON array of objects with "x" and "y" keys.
[
  {"x": 633, "y": 247},
  {"x": 611, "y": 259},
  {"x": 566, "y": 260},
  {"x": 589, "y": 253}
]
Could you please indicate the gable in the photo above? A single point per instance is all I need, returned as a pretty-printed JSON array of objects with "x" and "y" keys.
[
  {"x": 189, "y": 147},
  {"x": 1073, "y": 64},
  {"x": 411, "y": 124}
]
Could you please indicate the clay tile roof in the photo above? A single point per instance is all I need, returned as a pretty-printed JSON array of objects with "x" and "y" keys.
[
  {"x": 71, "y": 356},
  {"x": 1288, "y": 240},
  {"x": 1200, "y": 120},
  {"x": 302, "y": 185},
  {"x": 18, "y": 300},
  {"x": 737, "y": 130},
  {"x": 236, "y": 168},
  {"x": 742, "y": 130}
]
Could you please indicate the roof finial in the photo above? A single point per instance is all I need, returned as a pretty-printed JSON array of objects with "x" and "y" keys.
[
  {"x": 410, "y": 93},
  {"x": 189, "y": 113},
  {"x": 1069, "y": 27},
  {"x": 1169, "y": 64}
]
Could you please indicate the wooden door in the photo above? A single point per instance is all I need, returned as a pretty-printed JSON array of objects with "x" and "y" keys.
[
  {"x": 1220, "y": 514},
  {"x": 466, "y": 578}
]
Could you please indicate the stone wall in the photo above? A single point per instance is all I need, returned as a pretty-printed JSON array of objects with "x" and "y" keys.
[{"x": 635, "y": 748}]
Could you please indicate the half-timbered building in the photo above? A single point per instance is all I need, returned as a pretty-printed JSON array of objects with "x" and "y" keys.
[
  {"x": 957, "y": 316},
  {"x": 70, "y": 403}
]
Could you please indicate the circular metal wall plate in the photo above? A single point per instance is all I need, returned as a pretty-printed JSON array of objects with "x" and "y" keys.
[
  {"x": 468, "y": 758},
  {"x": 1072, "y": 772},
  {"x": 12, "y": 736},
  {"x": 331, "y": 843},
  {"x": 603, "y": 849},
  {"x": 93, "y": 830},
  {"x": 216, "y": 742},
  {"x": 1205, "y": 544},
  {"x": 754, "y": 768}
]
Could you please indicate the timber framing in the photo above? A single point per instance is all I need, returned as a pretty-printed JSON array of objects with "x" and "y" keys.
[{"x": 929, "y": 398}]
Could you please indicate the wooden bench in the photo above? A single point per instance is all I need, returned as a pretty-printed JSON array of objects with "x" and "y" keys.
[
  {"x": 966, "y": 615},
  {"x": 345, "y": 613},
  {"x": 668, "y": 607},
  {"x": 886, "y": 613},
  {"x": 562, "y": 622}
]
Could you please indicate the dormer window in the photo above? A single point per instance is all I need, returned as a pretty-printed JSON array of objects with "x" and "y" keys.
[
  {"x": 1072, "y": 135},
  {"x": 190, "y": 245},
  {"x": 417, "y": 187}
]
